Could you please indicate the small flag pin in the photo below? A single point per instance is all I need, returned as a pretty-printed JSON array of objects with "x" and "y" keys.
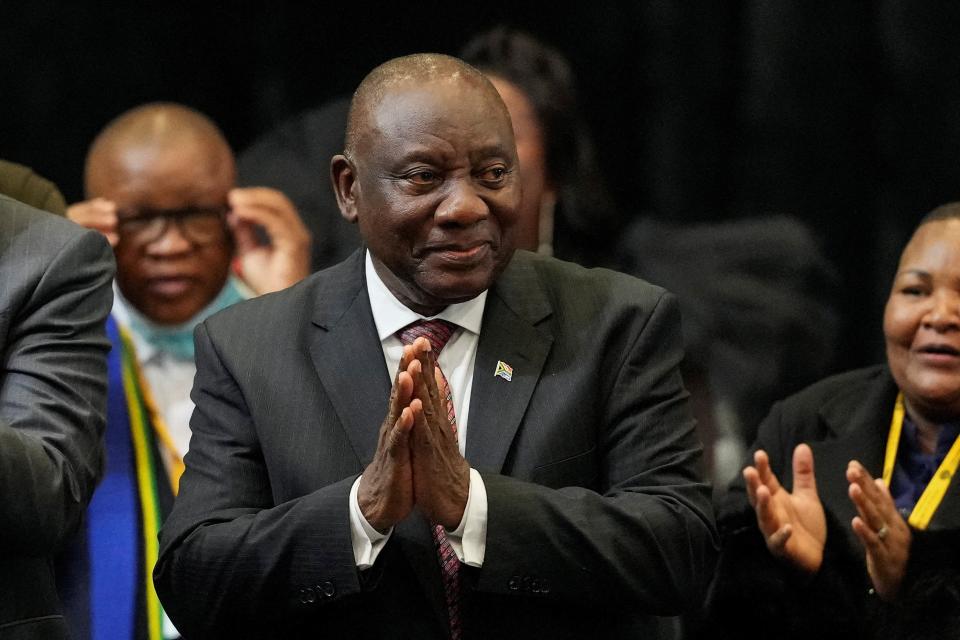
[{"x": 504, "y": 371}]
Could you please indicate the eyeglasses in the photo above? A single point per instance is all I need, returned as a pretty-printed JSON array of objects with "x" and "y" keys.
[{"x": 199, "y": 225}]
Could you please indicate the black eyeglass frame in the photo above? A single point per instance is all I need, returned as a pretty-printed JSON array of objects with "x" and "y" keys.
[{"x": 149, "y": 225}]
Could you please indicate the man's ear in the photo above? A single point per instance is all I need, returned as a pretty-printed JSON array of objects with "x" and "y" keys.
[{"x": 345, "y": 185}]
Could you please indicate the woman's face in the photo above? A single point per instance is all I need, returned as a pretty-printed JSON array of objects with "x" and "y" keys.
[
  {"x": 531, "y": 153},
  {"x": 921, "y": 322}
]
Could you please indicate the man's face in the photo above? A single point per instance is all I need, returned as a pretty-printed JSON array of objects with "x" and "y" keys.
[
  {"x": 437, "y": 192},
  {"x": 172, "y": 277}
]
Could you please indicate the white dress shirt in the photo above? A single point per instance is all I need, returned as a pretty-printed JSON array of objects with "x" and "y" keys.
[
  {"x": 170, "y": 379},
  {"x": 456, "y": 360}
]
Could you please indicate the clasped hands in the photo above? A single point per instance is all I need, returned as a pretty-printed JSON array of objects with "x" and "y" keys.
[
  {"x": 794, "y": 525},
  {"x": 417, "y": 462}
]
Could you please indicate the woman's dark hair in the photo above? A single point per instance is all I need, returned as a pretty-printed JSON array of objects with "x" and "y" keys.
[
  {"x": 949, "y": 211},
  {"x": 546, "y": 79}
]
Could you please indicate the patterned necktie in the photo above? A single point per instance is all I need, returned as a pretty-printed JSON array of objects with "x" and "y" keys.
[{"x": 438, "y": 332}]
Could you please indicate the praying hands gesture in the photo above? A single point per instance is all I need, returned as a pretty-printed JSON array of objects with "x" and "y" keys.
[{"x": 417, "y": 462}]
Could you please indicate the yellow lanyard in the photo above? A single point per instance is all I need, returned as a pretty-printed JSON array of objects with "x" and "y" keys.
[
  {"x": 160, "y": 428},
  {"x": 932, "y": 496}
]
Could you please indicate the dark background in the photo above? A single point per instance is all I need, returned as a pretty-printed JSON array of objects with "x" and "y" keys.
[{"x": 845, "y": 114}]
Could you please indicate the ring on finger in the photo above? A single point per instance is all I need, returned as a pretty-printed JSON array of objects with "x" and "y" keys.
[{"x": 883, "y": 532}]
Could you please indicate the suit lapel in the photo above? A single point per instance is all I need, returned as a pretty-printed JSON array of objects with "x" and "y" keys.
[
  {"x": 347, "y": 356},
  {"x": 515, "y": 306}
]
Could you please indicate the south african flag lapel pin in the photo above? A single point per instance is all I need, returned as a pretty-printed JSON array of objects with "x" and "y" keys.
[{"x": 504, "y": 371}]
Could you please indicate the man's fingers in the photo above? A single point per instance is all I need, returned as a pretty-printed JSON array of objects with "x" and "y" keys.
[
  {"x": 419, "y": 420},
  {"x": 430, "y": 393},
  {"x": 271, "y": 210},
  {"x": 421, "y": 351},
  {"x": 406, "y": 358},
  {"x": 421, "y": 387},
  {"x": 399, "y": 436},
  {"x": 400, "y": 395},
  {"x": 99, "y": 214},
  {"x": 244, "y": 235}
]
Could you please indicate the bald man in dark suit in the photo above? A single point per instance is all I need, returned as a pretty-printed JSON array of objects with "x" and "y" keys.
[
  {"x": 536, "y": 468},
  {"x": 54, "y": 298}
]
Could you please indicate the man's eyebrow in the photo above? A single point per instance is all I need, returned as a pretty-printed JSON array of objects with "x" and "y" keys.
[
  {"x": 420, "y": 155},
  {"x": 491, "y": 150}
]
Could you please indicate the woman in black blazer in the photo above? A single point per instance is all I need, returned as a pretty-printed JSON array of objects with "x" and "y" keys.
[{"x": 868, "y": 546}]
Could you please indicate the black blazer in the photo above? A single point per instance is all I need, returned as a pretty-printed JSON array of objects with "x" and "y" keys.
[
  {"x": 54, "y": 298},
  {"x": 844, "y": 417},
  {"x": 597, "y": 515}
]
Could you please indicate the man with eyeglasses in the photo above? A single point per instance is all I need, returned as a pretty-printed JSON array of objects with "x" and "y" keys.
[{"x": 160, "y": 181}]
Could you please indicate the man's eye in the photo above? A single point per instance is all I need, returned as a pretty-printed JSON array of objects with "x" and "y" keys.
[
  {"x": 912, "y": 291},
  {"x": 494, "y": 174},
  {"x": 423, "y": 177}
]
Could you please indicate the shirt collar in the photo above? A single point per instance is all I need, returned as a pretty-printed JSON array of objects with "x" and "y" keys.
[
  {"x": 390, "y": 315},
  {"x": 148, "y": 350}
]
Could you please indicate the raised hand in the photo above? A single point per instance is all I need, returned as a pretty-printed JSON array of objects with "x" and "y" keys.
[
  {"x": 385, "y": 494},
  {"x": 286, "y": 259},
  {"x": 99, "y": 214},
  {"x": 882, "y": 531},
  {"x": 793, "y": 524},
  {"x": 441, "y": 476}
]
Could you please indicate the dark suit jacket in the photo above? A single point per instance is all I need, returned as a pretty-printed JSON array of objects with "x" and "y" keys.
[
  {"x": 597, "y": 515},
  {"x": 54, "y": 298},
  {"x": 845, "y": 417}
]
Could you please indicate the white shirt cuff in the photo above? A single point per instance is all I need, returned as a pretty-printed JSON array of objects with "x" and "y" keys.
[
  {"x": 469, "y": 539},
  {"x": 367, "y": 541}
]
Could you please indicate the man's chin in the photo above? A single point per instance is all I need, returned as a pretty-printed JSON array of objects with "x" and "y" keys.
[{"x": 169, "y": 312}]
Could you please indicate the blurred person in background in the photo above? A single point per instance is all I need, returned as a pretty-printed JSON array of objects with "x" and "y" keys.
[
  {"x": 160, "y": 185},
  {"x": 23, "y": 184}
]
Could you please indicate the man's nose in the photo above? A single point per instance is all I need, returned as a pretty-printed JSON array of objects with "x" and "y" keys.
[
  {"x": 171, "y": 242},
  {"x": 462, "y": 206},
  {"x": 944, "y": 314}
]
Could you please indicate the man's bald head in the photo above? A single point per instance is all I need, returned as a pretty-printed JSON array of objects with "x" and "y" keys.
[
  {"x": 169, "y": 163},
  {"x": 430, "y": 176},
  {"x": 399, "y": 73},
  {"x": 134, "y": 140}
]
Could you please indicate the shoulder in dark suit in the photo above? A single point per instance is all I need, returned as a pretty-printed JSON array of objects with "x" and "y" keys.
[
  {"x": 597, "y": 516},
  {"x": 54, "y": 299}
]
